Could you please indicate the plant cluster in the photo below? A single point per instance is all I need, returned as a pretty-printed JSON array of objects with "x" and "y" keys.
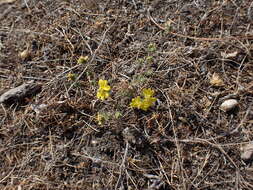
[
  {"x": 82, "y": 59},
  {"x": 104, "y": 89},
  {"x": 144, "y": 103},
  {"x": 71, "y": 76}
]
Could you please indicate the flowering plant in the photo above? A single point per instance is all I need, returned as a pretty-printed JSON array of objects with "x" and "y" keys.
[
  {"x": 82, "y": 59},
  {"x": 146, "y": 102},
  {"x": 71, "y": 76},
  {"x": 104, "y": 89}
]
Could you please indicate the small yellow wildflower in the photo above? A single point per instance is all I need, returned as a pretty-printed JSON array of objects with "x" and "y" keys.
[
  {"x": 102, "y": 94},
  {"x": 145, "y": 103},
  {"x": 149, "y": 59},
  {"x": 82, "y": 59},
  {"x": 136, "y": 102},
  {"x": 103, "y": 84},
  {"x": 71, "y": 76},
  {"x": 104, "y": 89},
  {"x": 147, "y": 93}
]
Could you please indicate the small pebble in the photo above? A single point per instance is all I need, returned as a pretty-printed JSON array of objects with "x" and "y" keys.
[
  {"x": 228, "y": 105},
  {"x": 247, "y": 152},
  {"x": 24, "y": 54}
]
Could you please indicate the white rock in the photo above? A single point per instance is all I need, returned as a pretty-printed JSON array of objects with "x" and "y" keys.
[
  {"x": 228, "y": 105},
  {"x": 247, "y": 152},
  {"x": 24, "y": 54}
]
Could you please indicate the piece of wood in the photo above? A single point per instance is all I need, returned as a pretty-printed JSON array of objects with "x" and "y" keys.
[{"x": 18, "y": 94}]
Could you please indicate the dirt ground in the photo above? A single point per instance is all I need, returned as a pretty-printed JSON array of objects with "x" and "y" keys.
[{"x": 194, "y": 54}]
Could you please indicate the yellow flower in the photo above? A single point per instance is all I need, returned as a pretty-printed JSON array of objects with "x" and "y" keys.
[
  {"x": 145, "y": 103},
  {"x": 82, "y": 59},
  {"x": 136, "y": 102},
  {"x": 71, "y": 76},
  {"x": 147, "y": 93},
  {"x": 103, "y": 85},
  {"x": 104, "y": 89},
  {"x": 102, "y": 94}
]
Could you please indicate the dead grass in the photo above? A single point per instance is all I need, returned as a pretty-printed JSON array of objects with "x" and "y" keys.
[{"x": 184, "y": 142}]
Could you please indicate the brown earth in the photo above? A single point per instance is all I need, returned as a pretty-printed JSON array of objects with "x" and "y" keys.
[{"x": 175, "y": 47}]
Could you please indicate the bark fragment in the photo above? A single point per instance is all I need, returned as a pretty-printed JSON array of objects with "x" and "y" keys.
[{"x": 18, "y": 94}]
